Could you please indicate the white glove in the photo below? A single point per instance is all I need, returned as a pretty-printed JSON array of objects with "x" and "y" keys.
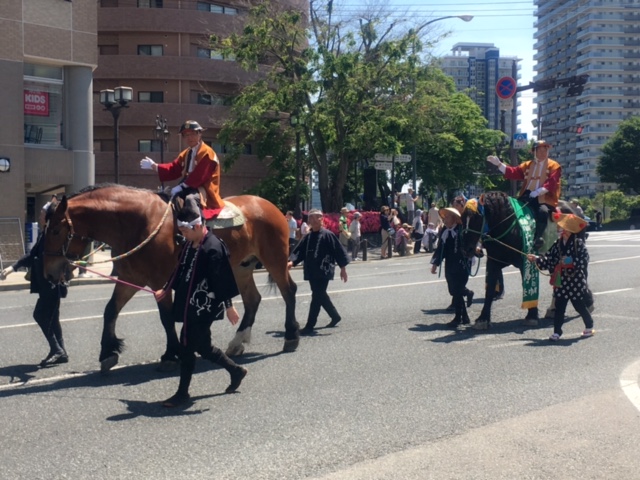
[
  {"x": 495, "y": 160},
  {"x": 6, "y": 272},
  {"x": 176, "y": 190},
  {"x": 538, "y": 191},
  {"x": 147, "y": 164}
]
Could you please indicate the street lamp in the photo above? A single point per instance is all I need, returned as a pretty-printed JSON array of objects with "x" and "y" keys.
[
  {"x": 114, "y": 101},
  {"x": 161, "y": 133},
  {"x": 294, "y": 121},
  {"x": 464, "y": 18}
]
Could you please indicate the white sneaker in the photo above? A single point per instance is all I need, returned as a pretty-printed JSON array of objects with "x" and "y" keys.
[
  {"x": 555, "y": 337},
  {"x": 588, "y": 332}
]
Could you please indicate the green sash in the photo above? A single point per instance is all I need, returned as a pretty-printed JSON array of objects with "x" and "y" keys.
[{"x": 529, "y": 271}]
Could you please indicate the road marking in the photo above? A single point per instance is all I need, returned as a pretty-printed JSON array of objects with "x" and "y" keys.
[
  {"x": 629, "y": 383},
  {"x": 66, "y": 376},
  {"x": 614, "y": 291},
  {"x": 76, "y": 319}
]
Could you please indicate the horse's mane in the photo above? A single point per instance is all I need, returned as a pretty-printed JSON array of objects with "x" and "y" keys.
[{"x": 497, "y": 205}]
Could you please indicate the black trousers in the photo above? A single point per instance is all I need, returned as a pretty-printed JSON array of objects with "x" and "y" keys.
[
  {"x": 198, "y": 339},
  {"x": 320, "y": 299},
  {"x": 561, "y": 307},
  {"x": 457, "y": 277},
  {"x": 47, "y": 315}
]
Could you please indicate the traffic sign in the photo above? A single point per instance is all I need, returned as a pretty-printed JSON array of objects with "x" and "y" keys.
[
  {"x": 506, "y": 87},
  {"x": 506, "y": 103},
  {"x": 382, "y": 165},
  {"x": 519, "y": 140},
  {"x": 381, "y": 157},
  {"x": 403, "y": 158}
]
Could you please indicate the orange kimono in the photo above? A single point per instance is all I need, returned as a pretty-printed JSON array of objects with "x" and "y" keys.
[{"x": 205, "y": 177}]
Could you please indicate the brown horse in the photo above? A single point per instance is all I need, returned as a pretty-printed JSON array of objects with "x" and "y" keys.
[{"x": 125, "y": 217}]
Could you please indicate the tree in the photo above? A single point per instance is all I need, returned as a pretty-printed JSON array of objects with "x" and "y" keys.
[
  {"x": 620, "y": 159},
  {"x": 358, "y": 88}
]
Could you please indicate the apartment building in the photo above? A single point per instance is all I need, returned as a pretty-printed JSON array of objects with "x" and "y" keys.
[
  {"x": 599, "y": 38},
  {"x": 161, "y": 49},
  {"x": 475, "y": 69},
  {"x": 47, "y": 56}
]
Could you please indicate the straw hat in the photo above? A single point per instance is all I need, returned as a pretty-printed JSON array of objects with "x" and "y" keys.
[
  {"x": 540, "y": 143},
  {"x": 570, "y": 222},
  {"x": 443, "y": 213}
]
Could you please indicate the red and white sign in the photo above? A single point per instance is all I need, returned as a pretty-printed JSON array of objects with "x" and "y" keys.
[{"x": 36, "y": 103}]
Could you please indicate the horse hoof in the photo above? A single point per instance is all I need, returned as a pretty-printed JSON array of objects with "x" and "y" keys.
[
  {"x": 235, "y": 351},
  {"x": 550, "y": 313},
  {"x": 291, "y": 345},
  {"x": 167, "y": 366},
  {"x": 108, "y": 363},
  {"x": 591, "y": 308},
  {"x": 530, "y": 322},
  {"x": 481, "y": 326}
]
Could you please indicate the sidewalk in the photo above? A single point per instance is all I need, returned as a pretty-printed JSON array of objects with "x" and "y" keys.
[{"x": 16, "y": 280}]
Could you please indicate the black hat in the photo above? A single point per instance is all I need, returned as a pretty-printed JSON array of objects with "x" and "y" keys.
[
  {"x": 191, "y": 125},
  {"x": 190, "y": 211}
]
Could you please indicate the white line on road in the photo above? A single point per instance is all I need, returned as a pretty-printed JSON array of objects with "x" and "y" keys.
[{"x": 629, "y": 383}]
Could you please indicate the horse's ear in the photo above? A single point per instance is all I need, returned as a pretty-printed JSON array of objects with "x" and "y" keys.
[
  {"x": 62, "y": 205},
  {"x": 481, "y": 199}
]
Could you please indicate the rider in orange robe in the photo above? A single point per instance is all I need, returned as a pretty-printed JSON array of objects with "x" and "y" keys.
[{"x": 198, "y": 167}]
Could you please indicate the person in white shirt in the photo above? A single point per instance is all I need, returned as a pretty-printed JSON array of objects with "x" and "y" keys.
[
  {"x": 293, "y": 226},
  {"x": 354, "y": 229}
]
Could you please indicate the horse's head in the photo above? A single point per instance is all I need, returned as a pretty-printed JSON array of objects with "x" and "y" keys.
[
  {"x": 472, "y": 226},
  {"x": 61, "y": 244}
]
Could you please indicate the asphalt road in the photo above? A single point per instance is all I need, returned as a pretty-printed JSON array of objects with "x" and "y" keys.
[{"x": 388, "y": 394}]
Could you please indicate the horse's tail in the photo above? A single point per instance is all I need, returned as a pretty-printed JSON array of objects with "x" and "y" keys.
[{"x": 271, "y": 284}]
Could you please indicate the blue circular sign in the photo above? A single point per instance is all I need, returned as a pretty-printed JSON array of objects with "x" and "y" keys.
[{"x": 506, "y": 87}]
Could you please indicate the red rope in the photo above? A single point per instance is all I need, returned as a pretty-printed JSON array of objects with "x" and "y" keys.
[{"x": 114, "y": 279}]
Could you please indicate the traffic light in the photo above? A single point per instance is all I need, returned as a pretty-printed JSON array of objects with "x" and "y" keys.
[{"x": 576, "y": 129}]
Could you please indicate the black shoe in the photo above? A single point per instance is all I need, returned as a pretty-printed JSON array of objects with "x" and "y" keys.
[
  {"x": 307, "y": 331},
  {"x": 55, "y": 358},
  {"x": 538, "y": 243},
  {"x": 334, "y": 322},
  {"x": 177, "y": 400},
  {"x": 236, "y": 379},
  {"x": 498, "y": 296},
  {"x": 453, "y": 323},
  {"x": 466, "y": 321},
  {"x": 469, "y": 298}
]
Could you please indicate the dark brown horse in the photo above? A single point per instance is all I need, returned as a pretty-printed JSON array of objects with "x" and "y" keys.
[
  {"x": 492, "y": 220},
  {"x": 125, "y": 217}
]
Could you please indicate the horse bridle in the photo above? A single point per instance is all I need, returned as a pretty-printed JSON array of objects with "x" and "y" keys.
[{"x": 70, "y": 236}]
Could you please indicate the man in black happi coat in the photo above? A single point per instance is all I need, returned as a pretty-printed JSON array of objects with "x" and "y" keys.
[
  {"x": 320, "y": 250},
  {"x": 204, "y": 286}
]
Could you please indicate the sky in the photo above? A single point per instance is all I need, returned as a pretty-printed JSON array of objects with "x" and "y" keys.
[{"x": 506, "y": 24}]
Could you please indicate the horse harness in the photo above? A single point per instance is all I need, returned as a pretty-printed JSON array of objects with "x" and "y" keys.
[{"x": 72, "y": 234}]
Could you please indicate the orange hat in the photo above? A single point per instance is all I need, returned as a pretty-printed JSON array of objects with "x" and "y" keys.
[{"x": 570, "y": 222}]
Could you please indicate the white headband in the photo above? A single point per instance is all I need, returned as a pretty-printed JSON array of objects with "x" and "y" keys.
[{"x": 197, "y": 221}]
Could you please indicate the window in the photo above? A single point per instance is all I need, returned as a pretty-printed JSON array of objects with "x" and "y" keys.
[
  {"x": 212, "y": 99},
  {"x": 214, "y": 8},
  {"x": 43, "y": 102},
  {"x": 151, "y": 97},
  {"x": 149, "y": 145},
  {"x": 209, "y": 53},
  {"x": 154, "y": 50},
  {"x": 150, "y": 3}
]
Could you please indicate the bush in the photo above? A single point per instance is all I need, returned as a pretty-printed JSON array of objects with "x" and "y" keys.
[{"x": 369, "y": 222}]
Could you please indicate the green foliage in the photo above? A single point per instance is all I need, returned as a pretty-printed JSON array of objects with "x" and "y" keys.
[
  {"x": 359, "y": 88},
  {"x": 620, "y": 160}
]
